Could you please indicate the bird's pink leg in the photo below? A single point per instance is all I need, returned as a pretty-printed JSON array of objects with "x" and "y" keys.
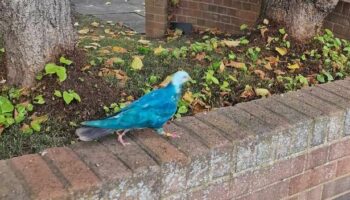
[
  {"x": 161, "y": 131},
  {"x": 120, "y": 137}
]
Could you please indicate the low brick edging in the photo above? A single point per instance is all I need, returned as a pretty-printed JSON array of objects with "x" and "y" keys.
[{"x": 291, "y": 146}]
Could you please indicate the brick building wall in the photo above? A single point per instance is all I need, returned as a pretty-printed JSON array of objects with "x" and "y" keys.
[
  {"x": 228, "y": 15},
  {"x": 339, "y": 20}
]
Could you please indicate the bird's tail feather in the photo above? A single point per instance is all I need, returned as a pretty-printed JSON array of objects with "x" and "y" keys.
[{"x": 91, "y": 133}]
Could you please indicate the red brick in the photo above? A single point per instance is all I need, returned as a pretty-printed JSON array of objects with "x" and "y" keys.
[
  {"x": 241, "y": 184},
  {"x": 104, "y": 163},
  {"x": 339, "y": 149},
  {"x": 343, "y": 166},
  {"x": 277, "y": 172},
  {"x": 10, "y": 186},
  {"x": 73, "y": 169},
  {"x": 317, "y": 157},
  {"x": 158, "y": 147},
  {"x": 274, "y": 192},
  {"x": 313, "y": 194},
  {"x": 312, "y": 178},
  {"x": 132, "y": 155},
  {"x": 336, "y": 187},
  {"x": 218, "y": 191},
  {"x": 42, "y": 183},
  {"x": 210, "y": 136}
]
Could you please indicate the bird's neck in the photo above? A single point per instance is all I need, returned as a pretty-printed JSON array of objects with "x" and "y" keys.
[{"x": 175, "y": 87}]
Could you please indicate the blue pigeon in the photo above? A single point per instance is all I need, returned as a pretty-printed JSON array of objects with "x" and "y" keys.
[{"x": 152, "y": 110}]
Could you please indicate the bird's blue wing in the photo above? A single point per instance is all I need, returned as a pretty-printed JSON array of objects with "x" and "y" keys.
[
  {"x": 138, "y": 117},
  {"x": 152, "y": 110}
]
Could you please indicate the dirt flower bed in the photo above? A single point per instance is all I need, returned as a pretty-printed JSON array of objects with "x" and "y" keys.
[{"x": 114, "y": 66}]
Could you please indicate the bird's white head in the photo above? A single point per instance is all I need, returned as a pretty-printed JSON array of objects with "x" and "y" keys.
[{"x": 179, "y": 78}]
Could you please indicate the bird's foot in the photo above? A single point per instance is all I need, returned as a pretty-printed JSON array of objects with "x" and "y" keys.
[
  {"x": 120, "y": 138},
  {"x": 171, "y": 135}
]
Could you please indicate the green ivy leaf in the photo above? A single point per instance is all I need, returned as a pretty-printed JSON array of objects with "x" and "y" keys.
[
  {"x": 58, "y": 70},
  {"x": 69, "y": 96},
  {"x": 58, "y": 93},
  {"x": 39, "y": 100},
  {"x": 65, "y": 61},
  {"x": 182, "y": 110},
  {"x": 2, "y": 50},
  {"x": 320, "y": 78},
  {"x": 5, "y": 105}
]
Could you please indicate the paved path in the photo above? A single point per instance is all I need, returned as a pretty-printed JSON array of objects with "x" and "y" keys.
[{"x": 131, "y": 13}]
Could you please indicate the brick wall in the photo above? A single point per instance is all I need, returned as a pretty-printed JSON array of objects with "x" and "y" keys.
[
  {"x": 228, "y": 15},
  {"x": 293, "y": 146},
  {"x": 339, "y": 20}
]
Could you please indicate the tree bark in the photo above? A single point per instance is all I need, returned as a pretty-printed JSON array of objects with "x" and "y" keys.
[
  {"x": 35, "y": 32},
  {"x": 302, "y": 18}
]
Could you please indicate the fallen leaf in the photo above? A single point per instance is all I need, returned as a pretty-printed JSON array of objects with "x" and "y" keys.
[
  {"x": 237, "y": 65},
  {"x": 144, "y": 42},
  {"x": 269, "y": 40},
  {"x": 281, "y": 50},
  {"x": 90, "y": 47},
  {"x": 104, "y": 51},
  {"x": 248, "y": 92},
  {"x": 273, "y": 60},
  {"x": 188, "y": 97},
  {"x": 108, "y": 31},
  {"x": 114, "y": 60},
  {"x": 268, "y": 66},
  {"x": 95, "y": 24},
  {"x": 159, "y": 50},
  {"x": 119, "y": 49},
  {"x": 222, "y": 67},
  {"x": 263, "y": 31},
  {"x": 84, "y": 31},
  {"x": 293, "y": 67},
  {"x": 200, "y": 56},
  {"x": 137, "y": 63},
  {"x": 262, "y": 92},
  {"x": 260, "y": 73},
  {"x": 279, "y": 72},
  {"x": 231, "y": 43},
  {"x": 118, "y": 74}
]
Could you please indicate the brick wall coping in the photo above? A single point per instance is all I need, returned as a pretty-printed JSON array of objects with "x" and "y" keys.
[{"x": 217, "y": 153}]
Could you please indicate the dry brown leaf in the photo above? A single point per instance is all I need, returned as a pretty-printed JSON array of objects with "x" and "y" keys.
[
  {"x": 268, "y": 66},
  {"x": 188, "y": 97},
  {"x": 263, "y": 31},
  {"x": 248, "y": 92},
  {"x": 222, "y": 67},
  {"x": 279, "y": 72},
  {"x": 231, "y": 43},
  {"x": 237, "y": 65},
  {"x": 119, "y": 49},
  {"x": 118, "y": 74},
  {"x": 200, "y": 56},
  {"x": 260, "y": 73}
]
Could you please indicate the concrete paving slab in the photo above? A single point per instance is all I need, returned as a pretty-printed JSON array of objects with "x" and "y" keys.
[{"x": 130, "y": 12}]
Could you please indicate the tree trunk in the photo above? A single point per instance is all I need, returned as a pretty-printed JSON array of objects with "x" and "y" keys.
[
  {"x": 35, "y": 32},
  {"x": 302, "y": 18}
]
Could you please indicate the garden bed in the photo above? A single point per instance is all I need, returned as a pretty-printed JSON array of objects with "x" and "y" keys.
[{"x": 113, "y": 66}]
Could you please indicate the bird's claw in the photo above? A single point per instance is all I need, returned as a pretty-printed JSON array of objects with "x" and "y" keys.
[
  {"x": 171, "y": 135},
  {"x": 121, "y": 141},
  {"x": 120, "y": 138}
]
